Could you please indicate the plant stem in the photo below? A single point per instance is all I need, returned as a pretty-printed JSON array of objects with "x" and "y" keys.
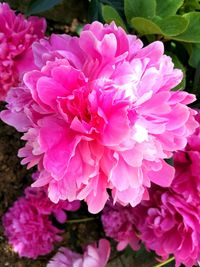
[
  {"x": 83, "y": 220},
  {"x": 165, "y": 262}
]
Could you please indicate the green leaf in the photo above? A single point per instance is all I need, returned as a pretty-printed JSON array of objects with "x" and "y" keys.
[
  {"x": 192, "y": 32},
  {"x": 110, "y": 14},
  {"x": 145, "y": 26},
  {"x": 170, "y": 26},
  {"x": 178, "y": 65},
  {"x": 139, "y": 8},
  {"x": 166, "y": 8},
  {"x": 116, "y": 4},
  {"x": 195, "y": 55},
  {"x": 188, "y": 47},
  {"x": 38, "y": 6}
]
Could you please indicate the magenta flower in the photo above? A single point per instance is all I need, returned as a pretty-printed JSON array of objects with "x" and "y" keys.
[
  {"x": 28, "y": 226},
  {"x": 98, "y": 114},
  {"x": 92, "y": 257},
  {"x": 170, "y": 225},
  {"x": 29, "y": 232},
  {"x": 16, "y": 36},
  {"x": 118, "y": 223}
]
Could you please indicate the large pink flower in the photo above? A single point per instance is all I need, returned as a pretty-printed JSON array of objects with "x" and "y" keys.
[
  {"x": 93, "y": 256},
  {"x": 170, "y": 225},
  {"x": 99, "y": 114},
  {"x": 16, "y": 36}
]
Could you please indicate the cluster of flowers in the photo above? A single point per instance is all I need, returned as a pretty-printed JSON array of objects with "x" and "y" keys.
[
  {"x": 169, "y": 222},
  {"x": 98, "y": 114}
]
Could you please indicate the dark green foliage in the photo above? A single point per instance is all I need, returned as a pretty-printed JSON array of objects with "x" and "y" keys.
[
  {"x": 38, "y": 6},
  {"x": 95, "y": 10}
]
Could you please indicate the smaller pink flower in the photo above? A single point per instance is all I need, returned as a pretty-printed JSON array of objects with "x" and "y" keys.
[
  {"x": 28, "y": 226},
  {"x": 16, "y": 36},
  {"x": 29, "y": 232},
  {"x": 169, "y": 225},
  {"x": 93, "y": 256},
  {"x": 118, "y": 223}
]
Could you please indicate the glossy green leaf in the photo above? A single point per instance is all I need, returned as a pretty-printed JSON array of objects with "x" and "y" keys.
[
  {"x": 139, "y": 8},
  {"x": 38, "y": 6},
  {"x": 110, "y": 14},
  {"x": 195, "y": 55},
  {"x": 192, "y": 32},
  {"x": 145, "y": 26},
  {"x": 170, "y": 26},
  {"x": 166, "y": 8}
]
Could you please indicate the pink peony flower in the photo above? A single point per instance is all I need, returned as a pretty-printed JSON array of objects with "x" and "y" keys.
[
  {"x": 170, "y": 225},
  {"x": 29, "y": 232},
  {"x": 27, "y": 224},
  {"x": 92, "y": 257},
  {"x": 118, "y": 223},
  {"x": 186, "y": 162},
  {"x": 98, "y": 114},
  {"x": 16, "y": 36}
]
